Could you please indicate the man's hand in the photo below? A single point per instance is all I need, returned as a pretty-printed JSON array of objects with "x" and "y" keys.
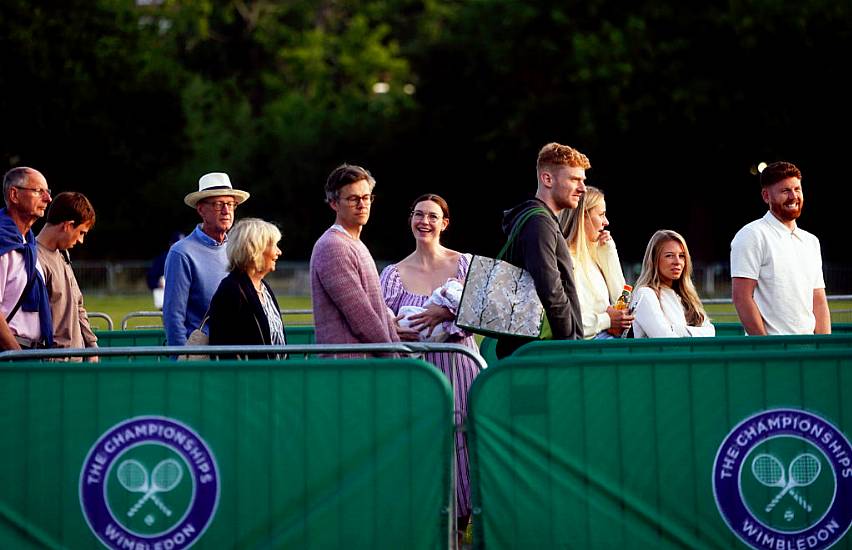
[{"x": 7, "y": 339}]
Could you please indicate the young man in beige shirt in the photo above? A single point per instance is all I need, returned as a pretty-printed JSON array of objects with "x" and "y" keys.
[{"x": 69, "y": 218}]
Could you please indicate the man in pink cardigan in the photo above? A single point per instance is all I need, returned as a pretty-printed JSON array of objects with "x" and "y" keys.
[{"x": 347, "y": 299}]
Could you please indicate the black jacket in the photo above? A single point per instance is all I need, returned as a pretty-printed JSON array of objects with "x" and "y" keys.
[
  {"x": 236, "y": 315},
  {"x": 541, "y": 249}
]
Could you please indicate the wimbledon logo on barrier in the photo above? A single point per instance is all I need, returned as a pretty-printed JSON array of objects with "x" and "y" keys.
[
  {"x": 149, "y": 482},
  {"x": 783, "y": 480}
]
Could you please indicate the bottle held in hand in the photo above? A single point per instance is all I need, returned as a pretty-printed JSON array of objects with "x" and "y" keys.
[{"x": 623, "y": 303}]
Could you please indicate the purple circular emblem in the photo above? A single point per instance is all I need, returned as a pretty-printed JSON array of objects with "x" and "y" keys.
[
  {"x": 782, "y": 478},
  {"x": 149, "y": 482}
]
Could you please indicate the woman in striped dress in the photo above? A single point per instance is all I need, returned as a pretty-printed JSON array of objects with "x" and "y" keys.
[{"x": 410, "y": 283}]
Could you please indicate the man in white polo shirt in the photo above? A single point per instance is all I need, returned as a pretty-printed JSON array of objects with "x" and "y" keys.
[
  {"x": 25, "y": 320},
  {"x": 776, "y": 267}
]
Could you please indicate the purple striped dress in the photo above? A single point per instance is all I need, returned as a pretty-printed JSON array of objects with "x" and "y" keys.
[{"x": 397, "y": 296}]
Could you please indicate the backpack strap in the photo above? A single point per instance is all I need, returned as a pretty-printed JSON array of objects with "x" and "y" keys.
[{"x": 519, "y": 224}]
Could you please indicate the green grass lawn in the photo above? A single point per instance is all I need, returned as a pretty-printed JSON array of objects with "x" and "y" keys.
[
  {"x": 841, "y": 312},
  {"x": 120, "y": 305}
]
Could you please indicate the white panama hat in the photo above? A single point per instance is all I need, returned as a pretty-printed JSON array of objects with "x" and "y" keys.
[{"x": 215, "y": 184}]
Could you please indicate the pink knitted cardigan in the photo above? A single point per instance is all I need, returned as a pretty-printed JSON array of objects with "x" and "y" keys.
[{"x": 347, "y": 298}]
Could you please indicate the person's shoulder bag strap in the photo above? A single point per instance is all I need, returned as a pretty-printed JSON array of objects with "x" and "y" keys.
[
  {"x": 516, "y": 229},
  {"x": 21, "y": 299}
]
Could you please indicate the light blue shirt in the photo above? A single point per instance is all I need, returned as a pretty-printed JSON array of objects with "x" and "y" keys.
[{"x": 195, "y": 266}]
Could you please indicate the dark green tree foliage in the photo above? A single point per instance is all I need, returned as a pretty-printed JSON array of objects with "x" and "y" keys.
[
  {"x": 673, "y": 102},
  {"x": 89, "y": 98}
]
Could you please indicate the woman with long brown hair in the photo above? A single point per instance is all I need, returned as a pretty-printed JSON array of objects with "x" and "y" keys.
[
  {"x": 667, "y": 305},
  {"x": 412, "y": 283}
]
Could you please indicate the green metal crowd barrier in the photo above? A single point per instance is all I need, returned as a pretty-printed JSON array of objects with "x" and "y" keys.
[
  {"x": 342, "y": 453},
  {"x": 131, "y": 337},
  {"x": 488, "y": 346},
  {"x": 675, "y": 345},
  {"x": 669, "y": 450}
]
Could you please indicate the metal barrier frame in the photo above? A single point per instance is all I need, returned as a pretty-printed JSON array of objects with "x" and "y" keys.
[
  {"x": 104, "y": 316},
  {"x": 159, "y": 314},
  {"x": 305, "y": 349}
]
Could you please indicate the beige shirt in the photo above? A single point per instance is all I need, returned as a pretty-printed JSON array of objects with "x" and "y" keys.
[{"x": 70, "y": 321}]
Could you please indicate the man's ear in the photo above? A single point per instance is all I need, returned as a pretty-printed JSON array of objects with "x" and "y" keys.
[
  {"x": 333, "y": 205},
  {"x": 546, "y": 179},
  {"x": 67, "y": 226},
  {"x": 764, "y": 192}
]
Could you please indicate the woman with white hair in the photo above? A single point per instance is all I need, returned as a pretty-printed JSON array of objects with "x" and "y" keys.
[
  {"x": 667, "y": 305},
  {"x": 244, "y": 309},
  {"x": 597, "y": 270}
]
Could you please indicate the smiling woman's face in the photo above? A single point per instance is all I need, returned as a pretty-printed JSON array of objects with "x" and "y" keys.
[{"x": 427, "y": 220}]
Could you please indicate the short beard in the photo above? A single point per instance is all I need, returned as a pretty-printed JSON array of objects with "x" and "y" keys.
[{"x": 786, "y": 215}]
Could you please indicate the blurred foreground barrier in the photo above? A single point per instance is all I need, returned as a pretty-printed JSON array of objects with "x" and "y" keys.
[
  {"x": 569, "y": 348},
  {"x": 736, "y": 329},
  {"x": 663, "y": 450},
  {"x": 328, "y": 453},
  {"x": 296, "y": 334},
  {"x": 488, "y": 345}
]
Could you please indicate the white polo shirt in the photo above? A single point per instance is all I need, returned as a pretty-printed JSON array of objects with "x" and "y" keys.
[{"x": 787, "y": 266}]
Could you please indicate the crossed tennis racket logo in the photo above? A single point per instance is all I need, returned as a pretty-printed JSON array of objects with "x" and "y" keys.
[
  {"x": 165, "y": 476},
  {"x": 802, "y": 471}
]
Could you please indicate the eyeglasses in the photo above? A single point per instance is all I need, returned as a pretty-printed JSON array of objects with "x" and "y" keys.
[
  {"x": 355, "y": 200},
  {"x": 35, "y": 191},
  {"x": 222, "y": 205},
  {"x": 431, "y": 217}
]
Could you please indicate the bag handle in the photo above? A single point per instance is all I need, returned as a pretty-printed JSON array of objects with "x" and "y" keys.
[
  {"x": 204, "y": 319},
  {"x": 518, "y": 226}
]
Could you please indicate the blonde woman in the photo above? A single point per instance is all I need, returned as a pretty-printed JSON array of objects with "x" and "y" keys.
[
  {"x": 244, "y": 309},
  {"x": 597, "y": 270},
  {"x": 667, "y": 305}
]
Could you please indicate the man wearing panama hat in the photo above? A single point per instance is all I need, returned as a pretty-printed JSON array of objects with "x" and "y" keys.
[{"x": 196, "y": 264}]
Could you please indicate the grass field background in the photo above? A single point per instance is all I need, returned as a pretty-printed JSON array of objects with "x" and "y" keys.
[{"x": 117, "y": 307}]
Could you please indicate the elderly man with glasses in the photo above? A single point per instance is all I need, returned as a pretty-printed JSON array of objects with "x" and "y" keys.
[
  {"x": 345, "y": 291},
  {"x": 197, "y": 264},
  {"x": 25, "y": 320}
]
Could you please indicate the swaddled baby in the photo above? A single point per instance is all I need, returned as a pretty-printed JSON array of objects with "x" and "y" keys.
[{"x": 447, "y": 295}]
